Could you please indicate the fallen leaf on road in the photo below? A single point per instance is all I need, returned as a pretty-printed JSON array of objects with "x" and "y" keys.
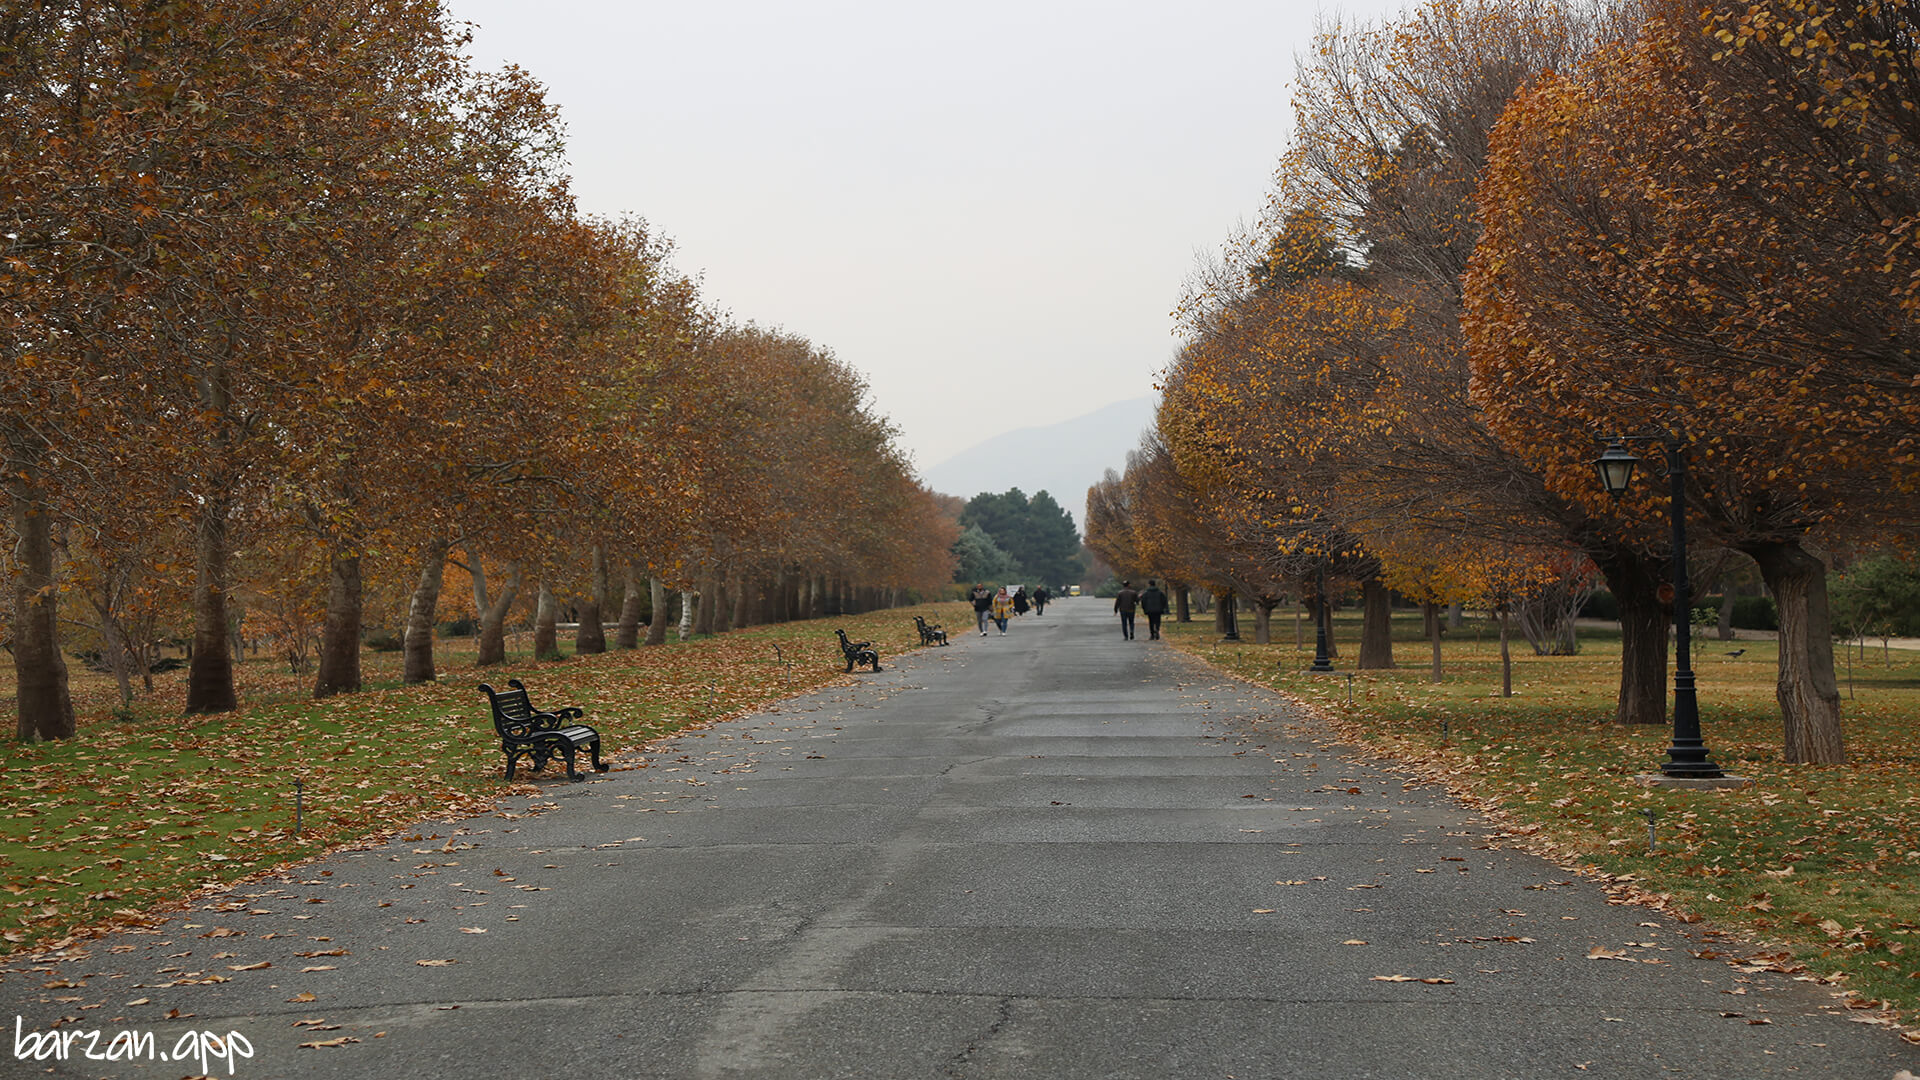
[
  {"x": 316, "y": 967},
  {"x": 298, "y": 999},
  {"x": 1601, "y": 952},
  {"x": 341, "y": 1041},
  {"x": 472, "y": 930},
  {"x": 1394, "y": 978},
  {"x": 1353, "y": 941},
  {"x": 250, "y": 967},
  {"x": 435, "y": 963},
  {"x": 1263, "y": 911},
  {"x": 139, "y": 1001}
]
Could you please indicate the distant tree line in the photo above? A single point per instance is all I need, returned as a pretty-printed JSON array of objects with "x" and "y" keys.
[
  {"x": 1010, "y": 538},
  {"x": 1506, "y": 229},
  {"x": 299, "y": 316}
]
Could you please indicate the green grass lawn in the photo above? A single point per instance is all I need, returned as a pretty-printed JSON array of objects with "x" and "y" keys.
[
  {"x": 135, "y": 815},
  {"x": 1822, "y": 860}
]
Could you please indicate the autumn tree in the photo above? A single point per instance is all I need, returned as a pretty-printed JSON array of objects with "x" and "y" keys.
[{"x": 1700, "y": 235}]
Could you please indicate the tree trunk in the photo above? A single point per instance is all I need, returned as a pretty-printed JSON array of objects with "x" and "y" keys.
[
  {"x": 705, "y": 599},
  {"x": 743, "y": 590},
  {"x": 1220, "y": 615},
  {"x": 1323, "y": 611},
  {"x": 1506, "y": 657},
  {"x": 417, "y": 667},
  {"x": 1300, "y": 627},
  {"x": 1376, "y": 626},
  {"x": 590, "y": 634},
  {"x": 1432, "y": 612},
  {"x": 628, "y": 635},
  {"x": 236, "y": 637},
  {"x": 210, "y": 666},
  {"x": 340, "y": 639},
  {"x": 1726, "y": 615},
  {"x": 45, "y": 705},
  {"x": 687, "y": 600},
  {"x": 1633, "y": 579},
  {"x": 657, "y": 618},
  {"x": 1808, "y": 695},
  {"x": 1456, "y": 615},
  {"x": 1263, "y": 619},
  {"x": 1182, "y": 611},
  {"x": 493, "y": 611},
  {"x": 546, "y": 635},
  {"x": 117, "y": 644}
]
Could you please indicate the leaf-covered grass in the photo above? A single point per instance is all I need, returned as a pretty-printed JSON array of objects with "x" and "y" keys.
[
  {"x": 1824, "y": 860},
  {"x": 135, "y": 815}
]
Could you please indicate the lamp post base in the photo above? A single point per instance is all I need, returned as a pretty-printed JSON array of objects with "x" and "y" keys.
[{"x": 1693, "y": 783}]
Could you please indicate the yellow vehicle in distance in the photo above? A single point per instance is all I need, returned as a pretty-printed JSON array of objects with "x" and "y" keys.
[{"x": 1073, "y": 590}]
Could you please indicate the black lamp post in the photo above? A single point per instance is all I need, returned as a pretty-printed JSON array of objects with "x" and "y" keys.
[
  {"x": 1687, "y": 757},
  {"x": 1322, "y": 660},
  {"x": 1230, "y": 614}
]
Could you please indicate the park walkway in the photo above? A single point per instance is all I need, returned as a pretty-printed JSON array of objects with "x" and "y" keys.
[{"x": 1051, "y": 855}]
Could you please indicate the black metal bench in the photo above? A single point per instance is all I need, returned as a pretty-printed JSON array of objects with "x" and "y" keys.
[
  {"x": 858, "y": 652},
  {"x": 529, "y": 732},
  {"x": 930, "y": 634}
]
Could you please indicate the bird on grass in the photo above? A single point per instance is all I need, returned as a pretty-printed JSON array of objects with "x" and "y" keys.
[{"x": 1736, "y": 652}]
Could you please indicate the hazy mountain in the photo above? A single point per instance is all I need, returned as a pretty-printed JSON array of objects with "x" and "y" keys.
[{"x": 1062, "y": 459}]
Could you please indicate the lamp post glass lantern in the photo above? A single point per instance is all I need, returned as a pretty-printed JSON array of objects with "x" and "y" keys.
[
  {"x": 1687, "y": 757},
  {"x": 1616, "y": 468}
]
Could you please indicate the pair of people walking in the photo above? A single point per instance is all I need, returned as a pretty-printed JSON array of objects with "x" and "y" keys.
[
  {"x": 1152, "y": 603},
  {"x": 997, "y": 606}
]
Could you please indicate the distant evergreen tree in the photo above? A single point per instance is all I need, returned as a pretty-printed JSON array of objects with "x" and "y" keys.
[
  {"x": 979, "y": 559},
  {"x": 1038, "y": 534}
]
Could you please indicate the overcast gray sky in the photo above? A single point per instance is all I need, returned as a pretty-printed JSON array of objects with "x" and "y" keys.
[{"x": 987, "y": 208}]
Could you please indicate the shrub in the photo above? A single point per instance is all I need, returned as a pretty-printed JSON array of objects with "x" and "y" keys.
[
  {"x": 1601, "y": 605},
  {"x": 465, "y": 626},
  {"x": 1755, "y": 613},
  {"x": 383, "y": 641}
]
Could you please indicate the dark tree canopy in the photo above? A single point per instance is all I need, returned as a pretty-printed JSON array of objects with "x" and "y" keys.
[{"x": 1038, "y": 533}]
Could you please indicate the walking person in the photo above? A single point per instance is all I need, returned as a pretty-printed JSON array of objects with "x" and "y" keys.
[
  {"x": 1040, "y": 598},
  {"x": 1020, "y": 604},
  {"x": 1002, "y": 608},
  {"x": 982, "y": 606},
  {"x": 1153, "y": 604},
  {"x": 1124, "y": 603}
]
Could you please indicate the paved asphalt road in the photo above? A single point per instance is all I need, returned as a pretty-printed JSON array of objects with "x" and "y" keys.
[{"x": 1051, "y": 855}]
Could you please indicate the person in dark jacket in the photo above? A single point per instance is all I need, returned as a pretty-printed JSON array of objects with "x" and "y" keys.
[
  {"x": 1125, "y": 603},
  {"x": 1153, "y": 604},
  {"x": 1020, "y": 602},
  {"x": 982, "y": 598},
  {"x": 1040, "y": 598}
]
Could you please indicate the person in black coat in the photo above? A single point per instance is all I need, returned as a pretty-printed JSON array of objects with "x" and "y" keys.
[
  {"x": 1020, "y": 602},
  {"x": 1153, "y": 604},
  {"x": 1040, "y": 598},
  {"x": 982, "y": 598},
  {"x": 1125, "y": 603}
]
